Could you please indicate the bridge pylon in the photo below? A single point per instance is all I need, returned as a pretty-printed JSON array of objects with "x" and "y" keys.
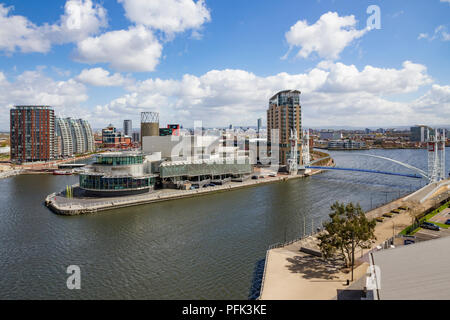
[
  {"x": 293, "y": 160},
  {"x": 436, "y": 156}
]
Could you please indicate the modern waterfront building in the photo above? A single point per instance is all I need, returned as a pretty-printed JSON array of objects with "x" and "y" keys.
[
  {"x": 127, "y": 127},
  {"x": 183, "y": 174},
  {"x": 420, "y": 133},
  {"x": 330, "y": 135},
  {"x": 32, "y": 130},
  {"x": 117, "y": 174},
  {"x": 88, "y": 135},
  {"x": 111, "y": 138},
  {"x": 63, "y": 138},
  {"x": 73, "y": 136},
  {"x": 284, "y": 115},
  {"x": 346, "y": 145},
  {"x": 128, "y": 173}
]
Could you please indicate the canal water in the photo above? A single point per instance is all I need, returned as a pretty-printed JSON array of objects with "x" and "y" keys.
[{"x": 200, "y": 248}]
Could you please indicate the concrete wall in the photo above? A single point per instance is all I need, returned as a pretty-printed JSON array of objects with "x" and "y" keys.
[{"x": 183, "y": 147}]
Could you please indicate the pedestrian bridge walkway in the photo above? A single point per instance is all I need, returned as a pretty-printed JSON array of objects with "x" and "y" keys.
[{"x": 366, "y": 170}]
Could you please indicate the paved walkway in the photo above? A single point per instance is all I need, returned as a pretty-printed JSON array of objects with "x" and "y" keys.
[{"x": 291, "y": 274}]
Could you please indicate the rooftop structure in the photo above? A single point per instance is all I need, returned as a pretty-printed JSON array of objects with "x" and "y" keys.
[{"x": 414, "y": 272}]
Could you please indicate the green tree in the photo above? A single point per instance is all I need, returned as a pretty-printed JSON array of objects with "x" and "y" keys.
[{"x": 348, "y": 229}]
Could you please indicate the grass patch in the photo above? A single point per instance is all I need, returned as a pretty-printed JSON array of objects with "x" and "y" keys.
[
  {"x": 443, "y": 226},
  {"x": 415, "y": 227}
]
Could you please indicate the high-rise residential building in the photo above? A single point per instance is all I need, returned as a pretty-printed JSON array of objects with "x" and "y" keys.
[
  {"x": 127, "y": 127},
  {"x": 259, "y": 125},
  {"x": 63, "y": 138},
  {"x": 32, "y": 130},
  {"x": 88, "y": 135},
  {"x": 73, "y": 136},
  {"x": 284, "y": 114}
]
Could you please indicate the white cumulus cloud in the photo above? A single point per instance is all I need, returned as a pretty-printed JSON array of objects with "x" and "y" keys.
[
  {"x": 327, "y": 37},
  {"x": 101, "y": 78},
  {"x": 18, "y": 33},
  {"x": 332, "y": 94},
  {"x": 135, "y": 49},
  {"x": 35, "y": 88},
  {"x": 81, "y": 18},
  {"x": 169, "y": 16}
]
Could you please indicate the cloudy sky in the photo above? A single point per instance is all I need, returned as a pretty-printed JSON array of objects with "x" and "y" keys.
[{"x": 220, "y": 61}]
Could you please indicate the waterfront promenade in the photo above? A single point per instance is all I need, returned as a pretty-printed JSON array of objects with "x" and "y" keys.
[
  {"x": 294, "y": 275},
  {"x": 60, "y": 204},
  {"x": 10, "y": 170}
]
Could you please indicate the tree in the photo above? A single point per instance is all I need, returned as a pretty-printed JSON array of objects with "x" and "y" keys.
[{"x": 348, "y": 229}]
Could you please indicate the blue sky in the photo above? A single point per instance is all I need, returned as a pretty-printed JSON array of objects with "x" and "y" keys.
[{"x": 219, "y": 61}]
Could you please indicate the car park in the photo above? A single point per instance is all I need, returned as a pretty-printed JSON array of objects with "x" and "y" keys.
[{"x": 429, "y": 226}]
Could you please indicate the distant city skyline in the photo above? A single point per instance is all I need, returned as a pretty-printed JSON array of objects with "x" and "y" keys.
[{"x": 221, "y": 61}]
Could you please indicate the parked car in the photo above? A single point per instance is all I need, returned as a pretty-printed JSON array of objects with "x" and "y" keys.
[
  {"x": 430, "y": 226},
  {"x": 211, "y": 185},
  {"x": 255, "y": 177},
  {"x": 447, "y": 222}
]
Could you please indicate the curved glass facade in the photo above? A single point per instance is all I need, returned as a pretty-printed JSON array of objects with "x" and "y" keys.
[
  {"x": 119, "y": 160},
  {"x": 99, "y": 182}
]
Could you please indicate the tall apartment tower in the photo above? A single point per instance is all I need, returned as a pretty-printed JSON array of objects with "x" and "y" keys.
[
  {"x": 284, "y": 114},
  {"x": 73, "y": 137},
  {"x": 32, "y": 130},
  {"x": 63, "y": 137},
  {"x": 259, "y": 126},
  {"x": 127, "y": 128}
]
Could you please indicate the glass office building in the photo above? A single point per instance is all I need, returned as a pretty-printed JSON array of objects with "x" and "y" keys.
[{"x": 117, "y": 174}]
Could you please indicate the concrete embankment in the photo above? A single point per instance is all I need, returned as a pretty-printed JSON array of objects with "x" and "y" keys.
[
  {"x": 10, "y": 173},
  {"x": 60, "y": 204},
  {"x": 40, "y": 168},
  {"x": 75, "y": 206}
]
